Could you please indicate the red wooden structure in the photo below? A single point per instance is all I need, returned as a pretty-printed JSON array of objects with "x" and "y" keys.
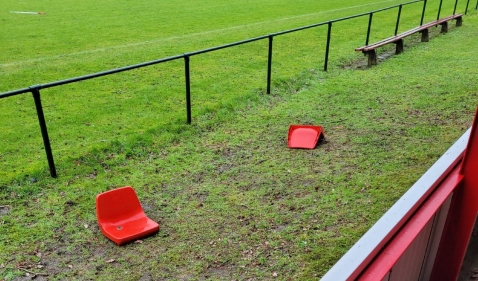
[{"x": 426, "y": 233}]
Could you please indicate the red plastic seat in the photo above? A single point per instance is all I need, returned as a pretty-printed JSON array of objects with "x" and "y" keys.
[
  {"x": 121, "y": 217},
  {"x": 304, "y": 136}
]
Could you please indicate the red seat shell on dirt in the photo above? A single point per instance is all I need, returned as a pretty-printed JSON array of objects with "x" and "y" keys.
[
  {"x": 121, "y": 217},
  {"x": 304, "y": 136}
]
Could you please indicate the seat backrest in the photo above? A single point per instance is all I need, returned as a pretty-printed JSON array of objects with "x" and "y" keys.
[{"x": 117, "y": 205}]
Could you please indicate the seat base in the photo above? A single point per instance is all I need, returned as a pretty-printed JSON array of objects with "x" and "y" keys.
[{"x": 128, "y": 231}]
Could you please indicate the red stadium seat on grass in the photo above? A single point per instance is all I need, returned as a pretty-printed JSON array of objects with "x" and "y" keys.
[
  {"x": 304, "y": 136},
  {"x": 121, "y": 217}
]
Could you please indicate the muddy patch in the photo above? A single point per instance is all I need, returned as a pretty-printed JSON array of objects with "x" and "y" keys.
[{"x": 4, "y": 209}]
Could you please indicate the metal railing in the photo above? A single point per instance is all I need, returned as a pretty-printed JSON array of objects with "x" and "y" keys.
[{"x": 35, "y": 90}]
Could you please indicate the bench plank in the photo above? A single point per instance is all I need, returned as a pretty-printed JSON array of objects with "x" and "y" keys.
[{"x": 370, "y": 50}]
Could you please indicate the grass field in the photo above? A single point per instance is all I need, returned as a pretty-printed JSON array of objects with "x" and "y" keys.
[
  {"x": 232, "y": 201},
  {"x": 65, "y": 43}
]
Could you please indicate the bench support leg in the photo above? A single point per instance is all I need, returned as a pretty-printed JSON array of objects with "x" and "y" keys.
[
  {"x": 444, "y": 27},
  {"x": 372, "y": 57},
  {"x": 425, "y": 35},
  {"x": 399, "y": 47},
  {"x": 459, "y": 21}
]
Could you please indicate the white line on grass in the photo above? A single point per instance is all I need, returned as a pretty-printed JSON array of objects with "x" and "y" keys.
[{"x": 185, "y": 35}]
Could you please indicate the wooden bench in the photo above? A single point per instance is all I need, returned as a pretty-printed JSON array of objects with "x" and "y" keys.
[{"x": 370, "y": 50}]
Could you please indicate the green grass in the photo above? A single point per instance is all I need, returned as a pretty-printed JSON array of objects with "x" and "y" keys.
[
  {"x": 89, "y": 39},
  {"x": 233, "y": 202}
]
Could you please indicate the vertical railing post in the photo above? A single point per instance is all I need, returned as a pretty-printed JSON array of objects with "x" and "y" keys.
[
  {"x": 398, "y": 18},
  {"x": 439, "y": 9},
  {"x": 44, "y": 131},
  {"x": 269, "y": 65},
  {"x": 423, "y": 12},
  {"x": 187, "y": 75},
  {"x": 456, "y": 5},
  {"x": 327, "y": 47},
  {"x": 369, "y": 28},
  {"x": 467, "y": 5}
]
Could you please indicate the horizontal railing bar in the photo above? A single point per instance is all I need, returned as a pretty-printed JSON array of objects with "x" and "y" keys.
[
  {"x": 14, "y": 93},
  {"x": 300, "y": 28},
  {"x": 126, "y": 68},
  {"x": 342, "y": 19},
  {"x": 89, "y": 76},
  {"x": 375, "y": 11},
  {"x": 295, "y": 29},
  {"x": 112, "y": 71}
]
